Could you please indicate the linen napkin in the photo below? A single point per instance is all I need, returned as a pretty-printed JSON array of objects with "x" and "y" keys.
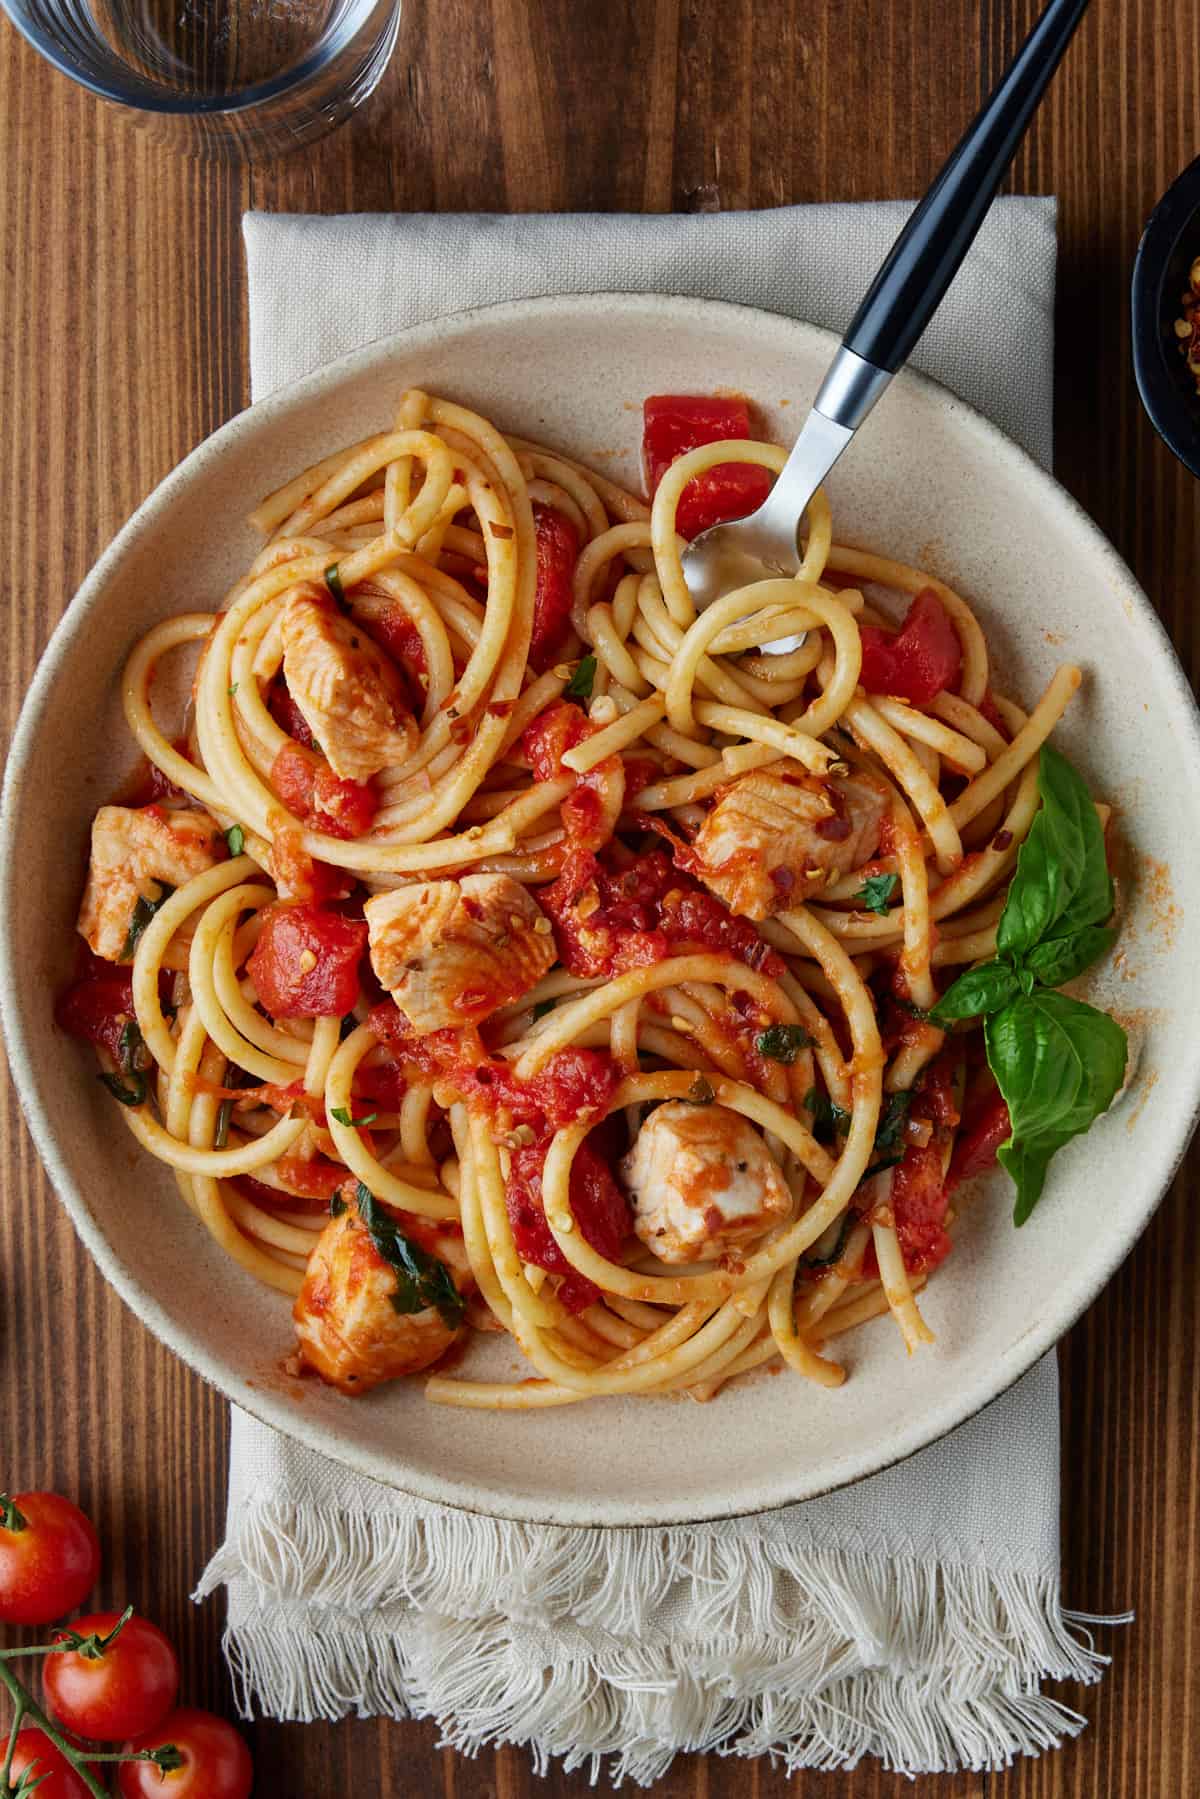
[{"x": 912, "y": 1617}]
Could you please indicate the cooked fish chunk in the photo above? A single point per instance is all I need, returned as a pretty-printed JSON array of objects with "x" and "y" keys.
[
  {"x": 135, "y": 852},
  {"x": 451, "y": 952},
  {"x": 350, "y": 694},
  {"x": 773, "y": 838},
  {"x": 349, "y": 1331},
  {"x": 702, "y": 1182}
]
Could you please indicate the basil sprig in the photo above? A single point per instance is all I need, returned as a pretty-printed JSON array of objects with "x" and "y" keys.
[
  {"x": 782, "y": 1042},
  {"x": 143, "y": 911},
  {"x": 579, "y": 687},
  {"x": 876, "y": 892},
  {"x": 1058, "y": 1062},
  {"x": 421, "y": 1280}
]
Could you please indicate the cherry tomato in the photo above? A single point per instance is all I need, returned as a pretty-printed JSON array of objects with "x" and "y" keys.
[
  {"x": 36, "y": 1752},
  {"x": 121, "y": 1692},
  {"x": 49, "y": 1558},
  {"x": 216, "y": 1763}
]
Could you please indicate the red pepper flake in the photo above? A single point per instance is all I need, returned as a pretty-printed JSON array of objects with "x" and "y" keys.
[
  {"x": 500, "y": 708},
  {"x": 1001, "y": 840},
  {"x": 501, "y": 531},
  {"x": 783, "y": 878}
]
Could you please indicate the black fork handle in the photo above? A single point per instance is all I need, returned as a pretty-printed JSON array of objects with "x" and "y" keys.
[{"x": 925, "y": 257}]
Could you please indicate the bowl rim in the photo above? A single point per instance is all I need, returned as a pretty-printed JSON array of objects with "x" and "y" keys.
[
  {"x": 931, "y": 1424},
  {"x": 1174, "y": 415},
  {"x": 140, "y": 93}
]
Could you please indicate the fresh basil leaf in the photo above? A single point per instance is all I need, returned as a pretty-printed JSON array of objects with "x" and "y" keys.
[
  {"x": 983, "y": 989},
  {"x": 814, "y": 1259},
  {"x": 140, "y": 917},
  {"x": 344, "y": 1116},
  {"x": 876, "y": 892},
  {"x": 782, "y": 1042},
  {"x": 421, "y": 1280},
  {"x": 337, "y": 1205},
  {"x": 132, "y": 1053},
  {"x": 1058, "y": 1064},
  {"x": 829, "y": 1119},
  {"x": 1060, "y": 959},
  {"x": 890, "y": 1143},
  {"x": 224, "y": 1114},
  {"x": 579, "y": 687},
  {"x": 132, "y": 1093},
  {"x": 333, "y": 582},
  {"x": 890, "y": 1132},
  {"x": 1062, "y": 881},
  {"x": 235, "y": 839}
]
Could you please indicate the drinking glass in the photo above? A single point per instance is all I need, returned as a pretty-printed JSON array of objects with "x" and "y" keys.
[{"x": 241, "y": 78}]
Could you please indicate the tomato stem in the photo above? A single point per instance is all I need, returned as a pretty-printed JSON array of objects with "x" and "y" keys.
[
  {"x": 11, "y": 1515},
  {"x": 28, "y": 1708},
  {"x": 6, "y": 1771}
]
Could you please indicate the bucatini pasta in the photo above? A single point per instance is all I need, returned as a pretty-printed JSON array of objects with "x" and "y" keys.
[{"x": 503, "y": 945}]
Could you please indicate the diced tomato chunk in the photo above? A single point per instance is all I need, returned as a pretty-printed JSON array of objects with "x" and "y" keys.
[
  {"x": 274, "y": 1199},
  {"x": 559, "y": 728},
  {"x": 305, "y": 963},
  {"x": 97, "y": 1006},
  {"x": 311, "y": 1177},
  {"x": 286, "y": 713},
  {"x": 985, "y": 1126},
  {"x": 601, "y": 1211},
  {"x": 320, "y": 799},
  {"x": 676, "y": 423},
  {"x": 557, "y": 554},
  {"x": 394, "y": 631},
  {"x": 918, "y": 1205},
  {"x": 922, "y": 659}
]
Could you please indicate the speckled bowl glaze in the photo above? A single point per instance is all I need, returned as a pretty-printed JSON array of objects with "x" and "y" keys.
[{"x": 930, "y": 482}]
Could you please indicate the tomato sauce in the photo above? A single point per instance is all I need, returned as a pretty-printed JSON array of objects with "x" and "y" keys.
[
  {"x": 600, "y": 1208},
  {"x": 608, "y": 919}
]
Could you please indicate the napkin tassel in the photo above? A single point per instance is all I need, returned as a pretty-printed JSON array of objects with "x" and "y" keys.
[{"x": 615, "y": 1649}]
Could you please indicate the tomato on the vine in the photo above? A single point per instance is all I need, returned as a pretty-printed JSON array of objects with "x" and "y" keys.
[
  {"x": 33, "y": 1750},
  {"x": 216, "y": 1761},
  {"x": 113, "y": 1689},
  {"x": 49, "y": 1557}
]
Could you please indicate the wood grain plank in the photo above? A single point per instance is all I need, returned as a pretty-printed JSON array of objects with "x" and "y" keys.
[{"x": 124, "y": 343}]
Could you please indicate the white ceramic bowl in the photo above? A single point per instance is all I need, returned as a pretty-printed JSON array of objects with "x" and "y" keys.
[{"x": 929, "y": 482}]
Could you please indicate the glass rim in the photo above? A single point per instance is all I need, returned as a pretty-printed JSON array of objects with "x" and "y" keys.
[{"x": 144, "y": 95}]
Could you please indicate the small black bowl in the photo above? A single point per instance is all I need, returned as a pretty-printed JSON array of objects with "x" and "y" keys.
[{"x": 1170, "y": 244}]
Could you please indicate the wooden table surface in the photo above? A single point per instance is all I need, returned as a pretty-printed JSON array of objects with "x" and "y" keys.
[{"x": 123, "y": 342}]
